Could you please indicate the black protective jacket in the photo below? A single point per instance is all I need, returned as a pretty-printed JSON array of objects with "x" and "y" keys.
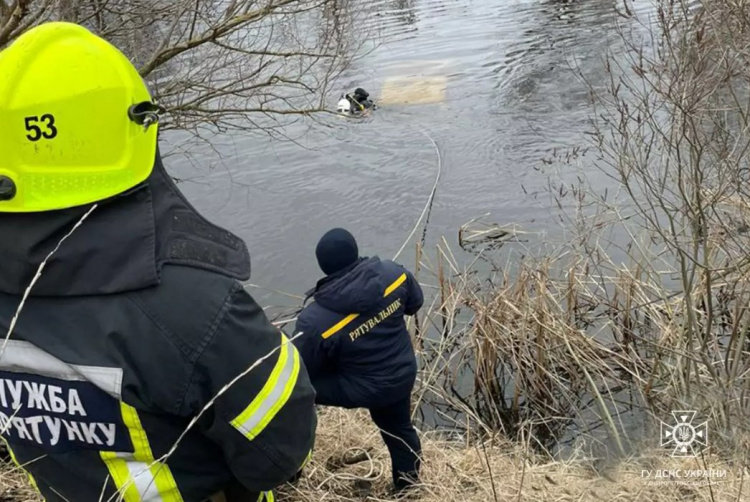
[{"x": 136, "y": 323}]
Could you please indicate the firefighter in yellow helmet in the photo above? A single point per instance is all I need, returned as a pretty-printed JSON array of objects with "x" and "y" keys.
[{"x": 138, "y": 320}]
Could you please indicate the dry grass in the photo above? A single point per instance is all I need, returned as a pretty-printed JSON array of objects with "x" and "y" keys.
[
  {"x": 522, "y": 349},
  {"x": 457, "y": 471},
  {"x": 14, "y": 485},
  {"x": 476, "y": 471}
]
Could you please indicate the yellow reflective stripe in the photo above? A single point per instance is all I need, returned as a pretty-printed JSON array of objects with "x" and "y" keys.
[
  {"x": 32, "y": 481},
  {"x": 398, "y": 282},
  {"x": 306, "y": 461},
  {"x": 138, "y": 476},
  {"x": 274, "y": 394},
  {"x": 346, "y": 320},
  {"x": 340, "y": 325},
  {"x": 118, "y": 470},
  {"x": 165, "y": 483},
  {"x": 137, "y": 434},
  {"x": 161, "y": 473},
  {"x": 266, "y": 496}
]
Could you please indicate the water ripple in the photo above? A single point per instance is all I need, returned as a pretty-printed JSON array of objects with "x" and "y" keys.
[{"x": 506, "y": 94}]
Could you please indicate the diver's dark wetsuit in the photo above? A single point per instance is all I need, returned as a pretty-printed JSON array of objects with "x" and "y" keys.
[{"x": 360, "y": 100}]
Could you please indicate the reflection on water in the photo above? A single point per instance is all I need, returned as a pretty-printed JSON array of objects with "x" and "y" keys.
[{"x": 493, "y": 82}]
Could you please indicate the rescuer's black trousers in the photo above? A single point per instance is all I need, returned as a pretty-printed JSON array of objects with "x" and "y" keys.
[{"x": 394, "y": 421}]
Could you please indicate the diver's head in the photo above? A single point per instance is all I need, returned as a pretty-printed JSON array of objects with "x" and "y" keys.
[{"x": 344, "y": 106}]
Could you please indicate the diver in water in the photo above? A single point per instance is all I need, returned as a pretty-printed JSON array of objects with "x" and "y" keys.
[{"x": 355, "y": 103}]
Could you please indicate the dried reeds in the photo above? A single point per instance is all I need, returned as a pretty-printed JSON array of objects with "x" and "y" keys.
[
  {"x": 522, "y": 350},
  {"x": 351, "y": 463},
  {"x": 501, "y": 471}
]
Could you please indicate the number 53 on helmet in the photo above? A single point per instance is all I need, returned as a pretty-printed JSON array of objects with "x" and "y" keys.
[{"x": 77, "y": 122}]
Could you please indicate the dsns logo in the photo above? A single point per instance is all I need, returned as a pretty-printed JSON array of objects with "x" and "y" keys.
[{"x": 686, "y": 436}]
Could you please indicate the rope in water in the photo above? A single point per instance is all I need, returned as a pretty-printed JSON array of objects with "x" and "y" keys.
[{"x": 428, "y": 207}]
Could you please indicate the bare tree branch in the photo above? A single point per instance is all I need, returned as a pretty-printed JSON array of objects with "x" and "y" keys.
[
  {"x": 213, "y": 33},
  {"x": 17, "y": 12},
  {"x": 212, "y": 63}
]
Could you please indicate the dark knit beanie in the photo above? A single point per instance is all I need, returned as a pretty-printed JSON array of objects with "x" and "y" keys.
[{"x": 336, "y": 250}]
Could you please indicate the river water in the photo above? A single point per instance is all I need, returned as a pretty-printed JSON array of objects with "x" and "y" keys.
[{"x": 494, "y": 82}]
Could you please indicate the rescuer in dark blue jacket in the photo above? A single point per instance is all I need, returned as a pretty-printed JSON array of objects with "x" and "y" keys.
[{"x": 356, "y": 347}]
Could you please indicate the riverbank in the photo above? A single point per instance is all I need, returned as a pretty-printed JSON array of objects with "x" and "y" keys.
[
  {"x": 482, "y": 471},
  {"x": 640, "y": 312}
]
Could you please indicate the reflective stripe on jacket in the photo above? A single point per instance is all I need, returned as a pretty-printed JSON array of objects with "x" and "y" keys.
[
  {"x": 356, "y": 329},
  {"x": 128, "y": 374}
]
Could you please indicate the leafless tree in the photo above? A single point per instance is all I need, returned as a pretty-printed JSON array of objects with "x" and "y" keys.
[
  {"x": 644, "y": 305},
  {"x": 215, "y": 64},
  {"x": 671, "y": 128}
]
